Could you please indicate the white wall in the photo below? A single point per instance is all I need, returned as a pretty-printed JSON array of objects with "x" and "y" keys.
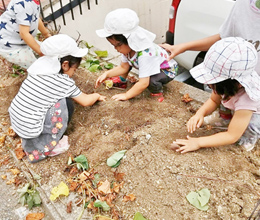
[{"x": 153, "y": 15}]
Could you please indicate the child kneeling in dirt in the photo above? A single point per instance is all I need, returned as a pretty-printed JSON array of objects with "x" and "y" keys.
[
  {"x": 42, "y": 109},
  {"x": 229, "y": 70},
  {"x": 138, "y": 50}
]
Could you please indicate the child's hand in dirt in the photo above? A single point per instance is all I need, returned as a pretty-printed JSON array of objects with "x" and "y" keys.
[
  {"x": 187, "y": 145},
  {"x": 120, "y": 97},
  {"x": 194, "y": 123},
  {"x": 100, "y": 79},
  {"x": 102, "y": 98}
]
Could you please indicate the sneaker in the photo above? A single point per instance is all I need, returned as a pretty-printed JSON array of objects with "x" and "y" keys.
[
  {"x": 216, "y": 121},
  {"x": 159, "y": 95},
  {"x": 119, "y": 81}
]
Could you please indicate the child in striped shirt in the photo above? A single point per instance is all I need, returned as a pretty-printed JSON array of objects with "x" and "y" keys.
[{"x": 41, "y": 110}]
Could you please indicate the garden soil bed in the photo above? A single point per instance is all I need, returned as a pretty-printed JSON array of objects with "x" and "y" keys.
[{"x": 158, "y": 177}]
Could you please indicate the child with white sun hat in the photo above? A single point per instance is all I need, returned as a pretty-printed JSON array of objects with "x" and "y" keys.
[{"x": 122, "y": 30}]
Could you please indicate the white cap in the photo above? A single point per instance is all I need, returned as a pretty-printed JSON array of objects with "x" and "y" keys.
[
  {"x": 126, "y": 22},
  {"x": 53, "y": 48},
  {"x": 62, "y": 45}
]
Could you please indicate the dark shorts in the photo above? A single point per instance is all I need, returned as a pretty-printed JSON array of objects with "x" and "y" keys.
[{"x": 157, "y": 81}]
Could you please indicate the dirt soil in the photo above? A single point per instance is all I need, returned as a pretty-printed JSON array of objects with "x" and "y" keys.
[{"x": 159, "y": 178}]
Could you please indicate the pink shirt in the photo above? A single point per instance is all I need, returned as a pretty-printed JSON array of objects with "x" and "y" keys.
[{"x": 241, "y": 101}]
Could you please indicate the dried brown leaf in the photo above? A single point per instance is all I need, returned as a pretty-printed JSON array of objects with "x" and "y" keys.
[
  {"x": 73, "y": 186},
  {"x": 69, "y": 207},
  {"x": 119, "y": 176},
  {"x": 11, "y": 132},
  {"x": 35, "y": 216},
  {"x": 130, "y": 197},
  {"x": 2, "y": 140},
  {"x": 83, "y": 176},
  {"x": 15, "y": 171},
  {"x": 19, "y": 152},
  {"x": 105, "y": 187},
  {"x": 186, "y": 98},
  {"x": 3, "y": 177}
]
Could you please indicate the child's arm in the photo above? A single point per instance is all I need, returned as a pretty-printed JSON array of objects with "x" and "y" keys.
[
  {"x": 44, "y": 31},
  {"x": 87, "y": 100},
  {"x": 121, "y": 70},
  {"x": 197, "y": 45},
  {"x": 207, "y": 108},
  {"x": 29, "y": 39},
  {"x": 236, "y": 128},
  {"x": 139, "y": 87}
]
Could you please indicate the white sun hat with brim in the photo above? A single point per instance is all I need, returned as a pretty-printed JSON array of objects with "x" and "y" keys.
[
  {"x": 54, "y": 48},
  {"x": 126, "y": 22},
  {"x": 230, "y": 58}
]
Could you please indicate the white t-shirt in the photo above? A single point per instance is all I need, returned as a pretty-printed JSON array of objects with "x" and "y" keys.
[
  {"x": 19, "y": 12},
  {"x": 36, "y": 95},
  {"x": 244, "y": 21},
  {"x": 150, "y": 61}
]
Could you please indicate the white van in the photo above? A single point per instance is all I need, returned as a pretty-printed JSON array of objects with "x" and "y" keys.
[{"x": 192, "y": 20}]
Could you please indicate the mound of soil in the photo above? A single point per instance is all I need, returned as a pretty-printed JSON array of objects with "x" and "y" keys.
[{"x": 159, "y": 178}]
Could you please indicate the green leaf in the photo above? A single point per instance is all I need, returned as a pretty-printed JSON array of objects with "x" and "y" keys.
[
  {"x": 96, "y": 180},
  {"x": 257, "y": 4},
  {"x": 81, "y": 159},
  {"x": 82, "y": 162},
  {"x": 139, "y": 216},
  {"x": 204, "y": 196},
  {"x": 194, "y": 198},
  {"x": 101, "y": 53},
  {"x": 109, "y": 66},
  {"x": 93, "y": 68},
  {"x": 86, "y": 44},
  {"x": 115, "y": 159},
  {"x": 29, "y": 201},
  {"x": 24, "y": 190},
  {"x": 102, "y": 205},
  {"x": 85, "y": 65},
  {"x": 22, "y": 200},
  {"x": 36, "y": 198},
  {"x": 93, "y": 61},
  {"x": 36, "y": 177}
]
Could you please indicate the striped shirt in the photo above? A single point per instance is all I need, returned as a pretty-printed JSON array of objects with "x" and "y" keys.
[{"x": 36, "y": 95}]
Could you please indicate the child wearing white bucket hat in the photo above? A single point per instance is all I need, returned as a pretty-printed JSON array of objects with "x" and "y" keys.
[
  {"x": 229, "y": 70},
  {"x": 41, "y": 110},
  {"x": 136, "y": 45}
]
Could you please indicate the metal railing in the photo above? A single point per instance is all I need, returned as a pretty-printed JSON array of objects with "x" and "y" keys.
[{"x": 55, "y": 13}]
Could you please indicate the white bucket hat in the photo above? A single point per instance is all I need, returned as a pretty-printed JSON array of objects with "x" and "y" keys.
[
  {"x": 54, "y": 48},
  {"x": 230, "y": 58},
  {"x": 126, "y": 22}
]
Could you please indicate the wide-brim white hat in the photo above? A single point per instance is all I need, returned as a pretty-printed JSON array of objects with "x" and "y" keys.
[
  {"x": 126, "y": 22},
  {"x": 230, "y": 58},
  {"x": 54, "y": 48}
]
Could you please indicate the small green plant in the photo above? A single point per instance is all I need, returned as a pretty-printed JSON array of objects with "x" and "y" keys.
[
  {"x": 81, "y": 161},
  {"x": 29, "y": 195},
  {"x": 17, "y": 71}
]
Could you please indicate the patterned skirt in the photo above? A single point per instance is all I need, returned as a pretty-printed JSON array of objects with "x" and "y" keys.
[{"x": 55, "y": 124}]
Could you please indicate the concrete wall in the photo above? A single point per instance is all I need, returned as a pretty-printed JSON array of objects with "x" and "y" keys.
[{"x": 153, "y": 15}]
